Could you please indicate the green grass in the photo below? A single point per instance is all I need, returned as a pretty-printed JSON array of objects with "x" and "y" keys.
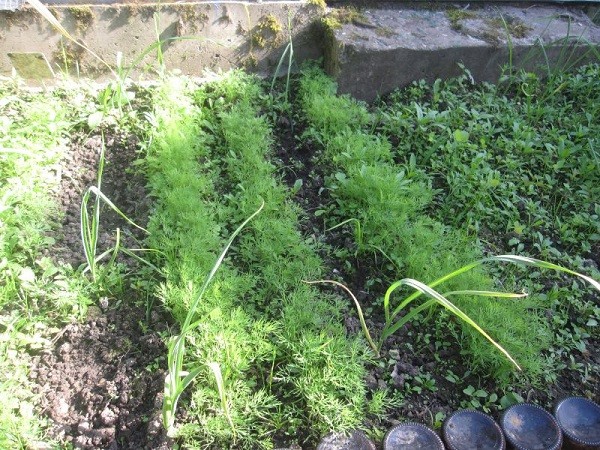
[{"x": 38, "y": 293}]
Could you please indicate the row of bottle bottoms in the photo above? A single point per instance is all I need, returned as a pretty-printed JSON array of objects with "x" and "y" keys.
[{"x": 575, "y": 425}]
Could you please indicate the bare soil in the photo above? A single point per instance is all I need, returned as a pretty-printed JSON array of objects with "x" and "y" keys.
[{"x": 102, "y": 383}]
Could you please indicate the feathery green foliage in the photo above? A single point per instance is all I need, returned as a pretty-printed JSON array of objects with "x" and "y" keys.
[
  {"x": 36, "y": 293},
  {"x": 390, "y": 202},
  {"x": 209, "y": 160}
]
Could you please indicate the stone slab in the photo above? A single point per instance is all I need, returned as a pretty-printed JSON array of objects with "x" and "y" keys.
[
  {"x": 384, "y": 48},
  {"x": 216, "y": 35}
]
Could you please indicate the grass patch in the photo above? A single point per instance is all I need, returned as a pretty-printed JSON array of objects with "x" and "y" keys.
[{"x": 36, "y": 294}]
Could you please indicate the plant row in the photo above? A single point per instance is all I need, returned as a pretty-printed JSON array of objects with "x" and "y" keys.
[
  {"x": 387, "y": 204},
  {"x": 268, "y": 353},
  {"x": 37, "y": 294}
]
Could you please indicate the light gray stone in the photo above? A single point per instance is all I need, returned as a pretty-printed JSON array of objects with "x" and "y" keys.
[{"x": 391, "y": 46}]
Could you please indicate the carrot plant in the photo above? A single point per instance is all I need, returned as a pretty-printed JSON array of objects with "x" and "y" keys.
[
  {"x": 229, "y": 402},
  {"x": 390, "y": 202},
  {"x": 276, "y": 255},
  {"x": 177, "y": 379},
  {"x": 37, "y": 294},
  {"x": 262, "y": 360}
]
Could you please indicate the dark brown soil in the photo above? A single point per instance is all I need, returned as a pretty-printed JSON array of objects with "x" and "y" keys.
[
  {"x": 102, "y": 383},
  {"x": 120, "y": 184}
]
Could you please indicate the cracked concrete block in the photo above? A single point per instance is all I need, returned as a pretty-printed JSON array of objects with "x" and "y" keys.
[{"x": 374, "y": 51}]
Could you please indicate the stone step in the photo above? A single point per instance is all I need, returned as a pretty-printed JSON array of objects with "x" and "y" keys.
[{"x": 376, "y": 50}]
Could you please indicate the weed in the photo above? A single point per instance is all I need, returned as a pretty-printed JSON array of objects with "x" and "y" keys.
[
  {"x": 266, "y": 32},
  {"x": 499, "y": 163},
  {"x": 456, "y": 16},
  {"x": 479, "y": 399}
]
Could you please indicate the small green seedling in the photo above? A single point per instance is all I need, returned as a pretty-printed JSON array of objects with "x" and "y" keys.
[{"x": 90, "y": 226}]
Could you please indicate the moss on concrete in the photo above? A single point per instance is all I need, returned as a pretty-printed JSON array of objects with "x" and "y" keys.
[
  {"x": 456, "y": 16},
  {"x": 318, "y": 3},
  {"x": 21, "y": 18},
  {"x": 332, "y": 22},
  {"x": 330, "y": 25},
  {"x": 509, "y": 25},
  {"x": 267, "y": 32},
  {"x": 191, "y": 20},
  {"x": 349, "y": 14},
  {"x": 83, "y": 17},
  {"x": 340, "y": 16},
  {"x": 250, "y": 62}
]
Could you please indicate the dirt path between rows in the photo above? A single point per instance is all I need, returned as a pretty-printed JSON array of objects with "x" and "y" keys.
[{"x": 102, "y": 383}]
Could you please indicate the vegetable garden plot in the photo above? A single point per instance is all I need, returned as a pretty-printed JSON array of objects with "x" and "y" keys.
[{"x": 360, "y": 195}]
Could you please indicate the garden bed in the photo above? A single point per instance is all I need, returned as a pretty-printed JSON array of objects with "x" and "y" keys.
[{"x": 417, "y": 185}]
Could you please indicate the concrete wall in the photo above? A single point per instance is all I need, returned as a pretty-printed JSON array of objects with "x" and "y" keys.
[
  {"x": 370, "y": 52},
  {"x": 196, "y": 36},
  {"x": 379, "y": 49}
]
